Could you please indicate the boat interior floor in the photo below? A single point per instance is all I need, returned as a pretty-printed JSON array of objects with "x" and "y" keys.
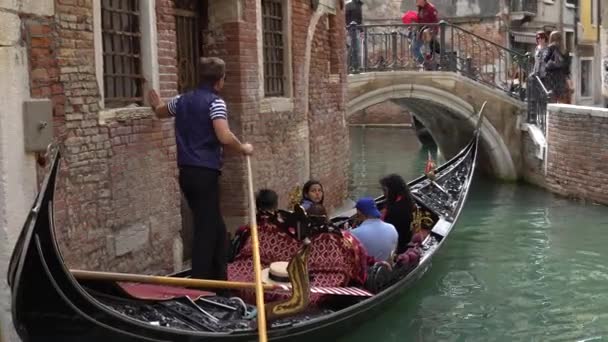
[{"x": 212, "y": 313}]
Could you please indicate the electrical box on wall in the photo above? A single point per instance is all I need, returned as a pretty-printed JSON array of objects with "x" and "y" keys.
[{"x": 37, "y": 124}]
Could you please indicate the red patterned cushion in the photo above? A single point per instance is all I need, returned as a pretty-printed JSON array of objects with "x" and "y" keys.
[
  {"x": 275, "y": 245},
  {"x": 338, "y": 254},
  {"x": 335, "y": 260}
]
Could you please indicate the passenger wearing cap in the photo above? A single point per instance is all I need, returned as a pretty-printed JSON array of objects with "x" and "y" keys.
[{"x": 377, "y": 237}]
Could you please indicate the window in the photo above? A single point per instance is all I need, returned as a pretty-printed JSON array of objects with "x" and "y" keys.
[
  {"x": 122, "y": 64},
  {"x": 570, "y": 42},
  {"x": 586, "y": 78},
  {"x": 571, "y": 3},
  {"x": 187, "y": 31},
  {"x": 274, "y": 48}
]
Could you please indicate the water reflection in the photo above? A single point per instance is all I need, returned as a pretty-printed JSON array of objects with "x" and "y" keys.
[
  {"x": 521, "y": 265},
  {"x": 373, "y": 156}
]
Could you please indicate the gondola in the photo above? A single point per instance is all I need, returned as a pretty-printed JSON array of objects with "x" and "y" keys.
[{"x": 50, "y": 304}]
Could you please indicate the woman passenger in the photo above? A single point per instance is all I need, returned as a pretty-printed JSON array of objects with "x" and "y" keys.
[
  {"x": 398, "y": 209},
  {"x": 312, "y": 193}
]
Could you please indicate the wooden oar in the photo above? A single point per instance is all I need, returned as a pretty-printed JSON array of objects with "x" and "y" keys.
[
  {"x": 257, "y": 268},
  {"x": 209, "y": 284}
]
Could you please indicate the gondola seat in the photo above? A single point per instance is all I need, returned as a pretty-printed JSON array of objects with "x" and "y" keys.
[
  {"x": 335, "y": 260},
  {"x": 275, "y": 245}
]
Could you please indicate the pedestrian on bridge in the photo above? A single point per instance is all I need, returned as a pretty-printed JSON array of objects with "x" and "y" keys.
[{"x": 427, "y": 14}]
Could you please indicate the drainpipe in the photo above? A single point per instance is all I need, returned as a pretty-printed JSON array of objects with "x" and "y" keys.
[{"x": 560, "y": 8}]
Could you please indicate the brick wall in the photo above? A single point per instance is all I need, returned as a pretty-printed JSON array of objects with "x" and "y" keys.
[
  {"x": 167, "y": 48},
  {"x": 329, "y": 140},
  {"x": 278, "y": 136},
  {"x": 577, "y": 152},
  {"x": 117, "y": 203}
]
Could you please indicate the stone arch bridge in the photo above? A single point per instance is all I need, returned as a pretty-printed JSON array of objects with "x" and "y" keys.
[
  {"x": 446, "y": 91},
  {"x": 447, "y": 104}
]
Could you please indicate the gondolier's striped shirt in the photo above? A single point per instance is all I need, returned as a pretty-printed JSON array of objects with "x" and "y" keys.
[{"x": 197, "y": 143}]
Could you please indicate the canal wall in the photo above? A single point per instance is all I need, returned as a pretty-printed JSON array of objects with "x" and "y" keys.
[
  {"x": 574, "y": 162},
  {"x": 386, "y": 113}
]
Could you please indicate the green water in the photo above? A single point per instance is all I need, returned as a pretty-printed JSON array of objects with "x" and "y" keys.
[{"x": 521, "y": 265}]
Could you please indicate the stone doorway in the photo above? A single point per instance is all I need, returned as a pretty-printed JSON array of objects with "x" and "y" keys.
[{"x": 190, "y": 21}]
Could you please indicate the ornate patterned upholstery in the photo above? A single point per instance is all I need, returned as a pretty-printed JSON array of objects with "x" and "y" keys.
[
  {"x": 336, "y": 259},
  {"x": 275, "y": 245}
]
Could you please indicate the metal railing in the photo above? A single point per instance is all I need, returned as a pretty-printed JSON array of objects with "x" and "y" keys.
[
  {"x": 529, "y": 6},
  {"x": 537, "y": 98},
  {"x": 448, "y": 48}
]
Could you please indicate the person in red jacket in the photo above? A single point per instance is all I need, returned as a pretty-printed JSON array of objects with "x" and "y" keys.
[{"x": 427, "y": 14}]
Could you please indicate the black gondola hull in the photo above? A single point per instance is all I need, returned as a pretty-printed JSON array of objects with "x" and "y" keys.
[{"x": 49, "y": 304}]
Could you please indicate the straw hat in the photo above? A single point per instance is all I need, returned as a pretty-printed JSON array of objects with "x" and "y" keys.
[{"x": 276, "y": 273}]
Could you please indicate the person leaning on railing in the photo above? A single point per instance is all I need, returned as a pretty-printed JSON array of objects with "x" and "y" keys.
[{"x": 558, "y": 69}]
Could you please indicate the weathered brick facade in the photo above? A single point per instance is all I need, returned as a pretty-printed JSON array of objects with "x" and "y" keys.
[
  {"x": 118, "y": 202},
  {"x": 577, "y": 154}
]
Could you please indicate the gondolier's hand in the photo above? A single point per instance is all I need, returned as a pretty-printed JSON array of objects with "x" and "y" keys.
[
  {"x": 158, "y": 105},
  {"x": 247, "y": 149},
  {"x": 154, "y": 99}
]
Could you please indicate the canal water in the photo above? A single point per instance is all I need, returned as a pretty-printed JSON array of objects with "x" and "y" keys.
[{"x": 520, "y": 265}]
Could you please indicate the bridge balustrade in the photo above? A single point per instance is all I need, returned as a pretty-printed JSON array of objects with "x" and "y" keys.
[{"x": 400, "y": 47}]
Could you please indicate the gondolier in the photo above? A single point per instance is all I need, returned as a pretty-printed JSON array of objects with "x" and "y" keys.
[{"x": 201, "y": 129}]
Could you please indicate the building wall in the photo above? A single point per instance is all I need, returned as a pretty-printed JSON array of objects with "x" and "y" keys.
[
  {"x": 118, "y": 200},
  {"x": 17, "y": 168},
  {"x": 604, "y": 52},
  {"x": 295, "y": 137},
  {"x": 460, "y": 8},
  {"x": 392, "y": 10},
  {"x": 588, "y": 25},
  {"x": 577, "y": 153}
]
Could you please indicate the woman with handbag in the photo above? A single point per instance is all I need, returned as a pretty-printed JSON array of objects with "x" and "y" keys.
[{"x": 557, "y": 67}]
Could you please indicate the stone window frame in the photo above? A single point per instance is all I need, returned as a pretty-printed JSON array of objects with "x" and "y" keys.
[
  {"x": 149, "y": 55},
  {"x": 276, "y": 103}
]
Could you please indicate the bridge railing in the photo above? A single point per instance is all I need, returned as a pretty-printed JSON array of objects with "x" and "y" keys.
[
  {"x": 538, "y": 98},
  {"x": 448, "y": 48}
]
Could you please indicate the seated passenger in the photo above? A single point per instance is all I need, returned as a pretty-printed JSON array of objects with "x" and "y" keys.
[
  {"x": 399, "y": 208},
  {"x": 377, "y": 237},
  {"x": 412, "y": 254},
  {"x": 316, "y": 209},
  {"x": 266, "y": 203},
  {"x": 312, "y": 193}
]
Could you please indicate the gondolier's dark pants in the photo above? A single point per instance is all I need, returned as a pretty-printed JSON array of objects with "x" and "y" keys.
[{"x": 209, "y": 242}]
